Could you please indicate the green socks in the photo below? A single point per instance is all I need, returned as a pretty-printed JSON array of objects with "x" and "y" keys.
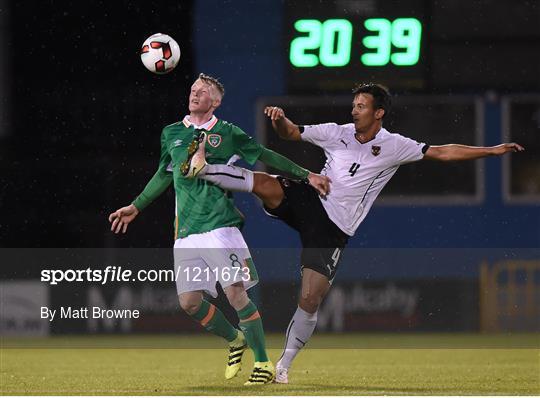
[
  {"x": 213, "y": 320},
  {"x": 251, "y": 325}
]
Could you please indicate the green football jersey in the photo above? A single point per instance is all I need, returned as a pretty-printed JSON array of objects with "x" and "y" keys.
[{"x": 200, "y": 205}]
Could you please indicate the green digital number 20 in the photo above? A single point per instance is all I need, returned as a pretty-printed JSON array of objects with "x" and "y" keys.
[{"x": 332, "y": 37}]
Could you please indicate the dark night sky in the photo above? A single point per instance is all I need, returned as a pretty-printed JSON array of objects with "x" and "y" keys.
[{"x": 86, "y": 118}]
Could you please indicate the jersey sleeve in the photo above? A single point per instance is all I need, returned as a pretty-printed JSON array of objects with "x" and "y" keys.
[
  {"x": 319, "y": 134},
  {"x": 165, "y": 159},
  {"x": 160, "y": 180},
  {"x": 408, "y": 150},
  {"x": 281, "y": 163},
  {"x": 245, "y": 146}
]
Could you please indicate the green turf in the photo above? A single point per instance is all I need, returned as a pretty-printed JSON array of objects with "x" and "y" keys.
[{"x": 90, "y": 370}]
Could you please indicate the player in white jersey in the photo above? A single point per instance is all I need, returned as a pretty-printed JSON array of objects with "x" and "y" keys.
[{"x": 361, "y": 157}]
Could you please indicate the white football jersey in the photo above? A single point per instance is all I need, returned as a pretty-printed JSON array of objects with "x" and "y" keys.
[{"x": 358, "y": 171}]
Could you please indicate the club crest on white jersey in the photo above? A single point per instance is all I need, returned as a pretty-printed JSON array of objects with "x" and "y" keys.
[{"x": 358, "y": 171}]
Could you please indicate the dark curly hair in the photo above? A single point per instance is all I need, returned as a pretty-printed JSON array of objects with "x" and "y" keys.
[{"x": 381, "y": 95}]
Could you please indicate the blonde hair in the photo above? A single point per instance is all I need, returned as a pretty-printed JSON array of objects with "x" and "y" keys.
[{"x": 212, "y": 81}]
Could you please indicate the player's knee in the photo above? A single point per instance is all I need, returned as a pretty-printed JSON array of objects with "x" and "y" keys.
[
  {"x": 268, "y": 189},
  {"x": 237, "y": 297},
  {"x": 190, "y": 305},
  {"x": 261, "y": 183},
  {"x": 190, "y": 308},
  {"x": 310, "y": 301}
]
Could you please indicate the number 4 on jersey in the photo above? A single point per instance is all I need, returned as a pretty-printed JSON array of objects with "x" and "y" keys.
[{"x": 354, "y": 168}]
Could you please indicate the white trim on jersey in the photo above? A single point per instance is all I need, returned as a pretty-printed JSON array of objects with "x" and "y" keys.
[
  {"x": 206, "y": 126},
  {"x": 358, "y": 171}
]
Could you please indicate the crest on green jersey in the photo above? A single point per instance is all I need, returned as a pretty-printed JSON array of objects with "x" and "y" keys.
[{"x": 214, "y": 140}]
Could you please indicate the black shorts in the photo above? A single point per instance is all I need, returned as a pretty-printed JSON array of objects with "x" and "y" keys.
[{"x": 322, "y": 240}]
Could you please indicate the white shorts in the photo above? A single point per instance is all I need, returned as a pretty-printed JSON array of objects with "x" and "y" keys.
[{"x": 221, "y": 255}]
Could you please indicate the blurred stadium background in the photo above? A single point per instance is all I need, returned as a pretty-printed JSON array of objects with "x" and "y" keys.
[{"x": 446, "y": 248}]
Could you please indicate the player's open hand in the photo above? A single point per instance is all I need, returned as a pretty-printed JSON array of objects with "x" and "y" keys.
[
  {"x": 508, "y": 147},
  {"x": 274, "y": 113},
  {"x": 320, "y": 183},
  {"x": 121, "y": 218}
]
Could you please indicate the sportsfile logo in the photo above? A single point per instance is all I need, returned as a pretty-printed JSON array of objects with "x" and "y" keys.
[
  {"x": 120, "y": 274},
  {"x": 109, "y": 274}
]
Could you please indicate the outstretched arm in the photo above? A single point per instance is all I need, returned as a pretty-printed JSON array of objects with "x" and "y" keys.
[
  {"x": 121, "y": 218},
  {"x": 285, "y": 128},
  {"x": 155, "y": 187},
  {"x": 281, "y": 163},
  {"x": 251, "y": 151},
  {"x": 455, "y": 152}
]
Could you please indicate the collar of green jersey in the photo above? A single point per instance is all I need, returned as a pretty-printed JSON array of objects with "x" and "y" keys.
[{"x": 206, "y": 126}]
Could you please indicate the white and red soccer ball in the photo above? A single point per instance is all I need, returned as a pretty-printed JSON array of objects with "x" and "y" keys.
[{"x": 160, "y": 53}]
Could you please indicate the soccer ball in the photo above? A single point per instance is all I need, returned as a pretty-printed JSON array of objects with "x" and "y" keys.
[{"x": 160, "y": 53}]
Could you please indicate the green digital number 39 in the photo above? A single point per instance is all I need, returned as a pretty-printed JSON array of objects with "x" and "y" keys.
[{"x": 403, "y": 33}]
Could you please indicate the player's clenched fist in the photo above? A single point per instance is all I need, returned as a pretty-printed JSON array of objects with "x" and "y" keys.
[
  {"x": 274, "y": 112},
  {"x": 121, "y": 218}
]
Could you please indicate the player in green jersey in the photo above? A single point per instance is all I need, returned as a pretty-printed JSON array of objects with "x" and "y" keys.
[{"x": 209, "y": 247}]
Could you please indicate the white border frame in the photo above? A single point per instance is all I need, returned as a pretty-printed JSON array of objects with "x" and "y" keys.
[
  {"x": 506, "y": 136},
  {"x": 393, "y": 200}
]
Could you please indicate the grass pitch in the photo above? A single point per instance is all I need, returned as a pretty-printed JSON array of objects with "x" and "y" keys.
[{"x": 419, "y": 364}]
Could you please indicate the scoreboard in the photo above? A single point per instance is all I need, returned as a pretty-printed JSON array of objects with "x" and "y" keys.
[
  {"x": 411, "y": 45},
  {"x": 329, "y": 43},
  {"x": 333, "y": 45}
]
